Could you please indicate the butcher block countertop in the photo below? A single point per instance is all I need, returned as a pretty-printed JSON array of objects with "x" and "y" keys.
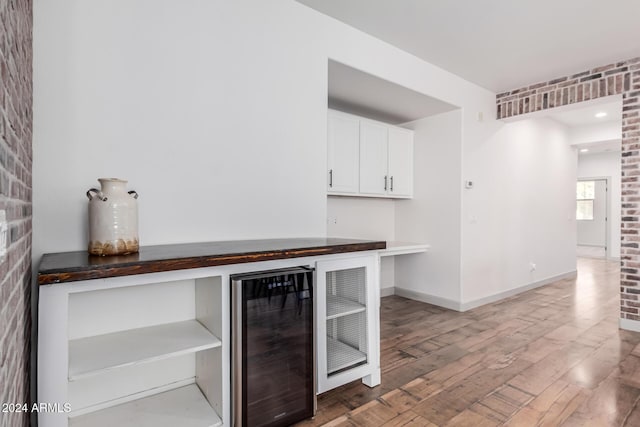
[{"x": 74, "y": 266}]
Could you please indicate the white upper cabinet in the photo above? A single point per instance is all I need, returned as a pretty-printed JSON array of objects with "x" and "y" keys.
[
  {"x": 400, "y": 162},
  {"x": 373, "y": 158},
  {"x": 343, "y": 147},
  {"x": 368, "y": 158}
]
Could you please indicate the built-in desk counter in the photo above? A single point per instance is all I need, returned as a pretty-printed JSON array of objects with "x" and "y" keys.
[{"x": 403, "y": 248}]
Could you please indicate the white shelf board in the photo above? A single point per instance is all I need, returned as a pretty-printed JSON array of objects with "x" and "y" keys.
[
  {"x": 339, "y": 306},
  {"x": 340, "y": 355},
  {"x": 93, "y": 355},
  {"x": 184, "y": 407},
  {"x": 403, "y": 248}
]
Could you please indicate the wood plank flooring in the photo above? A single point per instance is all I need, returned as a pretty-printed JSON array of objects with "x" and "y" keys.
[{"x": 547, "y": 357}]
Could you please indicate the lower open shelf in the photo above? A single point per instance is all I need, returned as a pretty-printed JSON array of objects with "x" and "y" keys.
[
  {"x": 341, "y": 356},
  {"x": 184, "y": 407}
]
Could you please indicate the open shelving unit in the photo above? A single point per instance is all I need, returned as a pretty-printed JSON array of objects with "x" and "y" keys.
[
  {"x": 346, "y": 307},
  {"x": 341, "y": 355},
  {"x": 147, "y": 355}
]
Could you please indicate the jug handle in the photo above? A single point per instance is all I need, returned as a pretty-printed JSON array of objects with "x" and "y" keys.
[
  {"x": 98, "y": 194},
  {"x": 133, "y": 193}
]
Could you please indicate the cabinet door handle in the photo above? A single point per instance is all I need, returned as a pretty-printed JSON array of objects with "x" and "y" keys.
[
  {"x": 385, "y": 183},
  {"x": 391, "y": 182},
  {"x": 330, "y": 178}
]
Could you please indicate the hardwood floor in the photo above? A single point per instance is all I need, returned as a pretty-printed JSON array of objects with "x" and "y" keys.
[{"x": 547, "y": 357}]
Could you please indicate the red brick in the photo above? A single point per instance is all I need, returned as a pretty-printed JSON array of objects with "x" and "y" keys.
[
  {"x": 603, "y": 68},
  {"x": 15, "y": 181}
]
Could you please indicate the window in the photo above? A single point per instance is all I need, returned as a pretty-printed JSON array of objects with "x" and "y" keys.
[{"x": 585, "y": 193}]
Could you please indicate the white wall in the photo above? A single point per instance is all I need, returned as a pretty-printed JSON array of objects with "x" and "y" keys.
[
  {"x": 606, "y": 164},
  {"x": 521, "y": 210},
  {"x": 190, "y": 104},
  {"x": 364, "y": 218},
  {"x": 433, "y": 216},
  {"x": 360, "y": 217},
  {"x": 215, "y": 112}
]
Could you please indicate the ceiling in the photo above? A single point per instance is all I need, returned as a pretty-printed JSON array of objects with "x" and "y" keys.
[
  {"x": 586, "y": 115},
  {"x": 582, "y": 118},
  {"x": 612, "y": 145},
  {"x": 500, "y": 44},
  {"x": 356, "y": 92}
]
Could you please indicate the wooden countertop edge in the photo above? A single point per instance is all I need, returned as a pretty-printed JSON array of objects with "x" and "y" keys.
[{"x": 158, "y": 266}]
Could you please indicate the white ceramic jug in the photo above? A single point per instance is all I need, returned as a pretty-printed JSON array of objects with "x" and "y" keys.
[{"x": 113, "y": 218}]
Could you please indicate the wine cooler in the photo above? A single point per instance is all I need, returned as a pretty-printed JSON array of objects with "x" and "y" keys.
[{"x": 273, "y": 355}]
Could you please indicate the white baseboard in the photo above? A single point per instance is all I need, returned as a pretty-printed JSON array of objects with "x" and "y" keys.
[
  {"x": 458, "y": 306},
  {"x": 506, "y": 294},
  {"x": 630, "y": 325},
  {"x": 429, "y": 299},
  {"x": 387, "y": 292}
]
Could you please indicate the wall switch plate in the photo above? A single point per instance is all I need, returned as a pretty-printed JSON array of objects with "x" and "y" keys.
[
  {"x": 468, "y": 184},
  {"x": 4, "y": 228}
]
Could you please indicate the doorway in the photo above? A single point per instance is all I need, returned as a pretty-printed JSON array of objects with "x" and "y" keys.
[{"x": 592, "y": 215}]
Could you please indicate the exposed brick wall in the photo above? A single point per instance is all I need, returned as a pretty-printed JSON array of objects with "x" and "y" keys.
[
  {"x": 612, "y": 79},
  {"x": 15, "y": 198},
  {"x": 621, "y": 78}
]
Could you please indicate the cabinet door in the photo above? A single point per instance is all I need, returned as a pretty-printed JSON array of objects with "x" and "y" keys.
[
  {"x": 400, "y": 162},
  {"x": 373, "y": 158},
  {"x": 343, "y": 153},
  {"x": 347, "y": 322}
]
